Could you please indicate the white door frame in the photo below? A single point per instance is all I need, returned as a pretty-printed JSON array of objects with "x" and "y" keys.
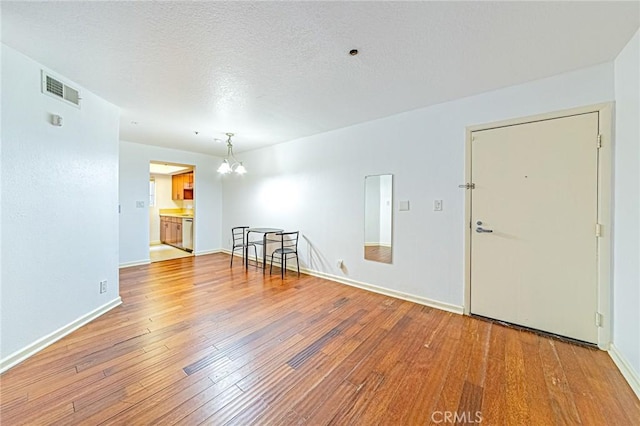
[{"x": 605, "y": 191}]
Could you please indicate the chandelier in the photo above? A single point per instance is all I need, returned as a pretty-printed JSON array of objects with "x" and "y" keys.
[{"x": 230, "y": 163}]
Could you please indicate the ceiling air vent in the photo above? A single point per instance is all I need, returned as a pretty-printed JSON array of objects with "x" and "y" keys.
[{"x": 55, "y": 88}]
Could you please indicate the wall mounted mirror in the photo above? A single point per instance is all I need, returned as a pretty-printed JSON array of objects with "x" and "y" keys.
[{"x": 378, "y": 208}]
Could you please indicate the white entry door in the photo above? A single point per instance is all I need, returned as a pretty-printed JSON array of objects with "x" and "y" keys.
[{"x": 534, "y": 216}]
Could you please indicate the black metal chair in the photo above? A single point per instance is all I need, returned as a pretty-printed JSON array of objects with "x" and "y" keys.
[
  {"x": 288, "y": 247},
  {"x": 263, "y": 242},
  {"x": 240, "y": 241}
]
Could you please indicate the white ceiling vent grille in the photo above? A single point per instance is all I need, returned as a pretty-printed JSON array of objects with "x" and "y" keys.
[{"x": 55, "y": 88}]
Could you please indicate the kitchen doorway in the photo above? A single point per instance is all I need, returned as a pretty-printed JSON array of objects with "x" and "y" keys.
[{"x": 171, "y": 210}]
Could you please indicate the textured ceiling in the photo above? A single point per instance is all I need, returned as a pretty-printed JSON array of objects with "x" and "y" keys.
[{"x": 276, "y": 71}]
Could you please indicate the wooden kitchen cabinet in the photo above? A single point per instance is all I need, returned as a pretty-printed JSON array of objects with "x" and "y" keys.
[
  {"x": 171, "y": 239},
  {"x": 171, "y": 231},
  {"x": 177, "y": 226},
  {"x": 182, "y": 186},
  {"x": 174, "y": 187},
  {"x": 164, "y": 229},
  {"x": 177, "y": 187}
]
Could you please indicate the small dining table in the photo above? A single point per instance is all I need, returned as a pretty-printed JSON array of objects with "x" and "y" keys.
[{"x": 264, "y": 232}]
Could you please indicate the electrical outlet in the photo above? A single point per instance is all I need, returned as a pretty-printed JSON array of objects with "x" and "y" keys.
[
  {"x": 103, "y": 286},
  {"x": 437, "y": 205}
]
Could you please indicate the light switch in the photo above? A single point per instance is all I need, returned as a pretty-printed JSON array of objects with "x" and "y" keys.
[
  {"x": 140, "y": 204},
  {"x": 404, "y": 206},
  {"x": 437, "y": 205}
]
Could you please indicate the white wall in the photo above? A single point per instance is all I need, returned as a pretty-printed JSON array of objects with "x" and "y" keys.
[
  {"x": 626, "y": 219},
  {"x": 315, "y": 184},
  {"x": 134, "y": 186},
  {"x": 59, "y": 207}
]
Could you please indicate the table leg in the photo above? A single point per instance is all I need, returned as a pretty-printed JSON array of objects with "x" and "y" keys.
[
  {"x": 246, "y": 253},
  {"x": 264, "y": 254}
]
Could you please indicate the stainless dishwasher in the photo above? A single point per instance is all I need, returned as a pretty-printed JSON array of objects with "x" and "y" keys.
[{"x": 187, "y": 234}]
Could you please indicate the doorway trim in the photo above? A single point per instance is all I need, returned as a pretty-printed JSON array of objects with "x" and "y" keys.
[{"x": 605, "y": 191}]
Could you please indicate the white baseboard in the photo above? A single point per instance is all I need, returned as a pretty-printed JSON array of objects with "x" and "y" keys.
[
  {"x": 203, "y": 252},
  {"x": 19, "y": 356},
  {"x": 377, "y": 245},
  {"x": 625, "y": 368},
  {"x": 376, "y": 289},
  {"x": 155, "y": 243},
  {"x": 386, "y": 291},
  {"x": 236, "y": 253},
  {"x": 135, "y": 263}
]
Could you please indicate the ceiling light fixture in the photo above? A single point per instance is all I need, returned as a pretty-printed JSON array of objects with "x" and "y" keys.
[{"x": 230, "y": 163}]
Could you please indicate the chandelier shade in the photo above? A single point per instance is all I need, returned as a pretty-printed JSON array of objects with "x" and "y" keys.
[{"x": 230, "y": 164}]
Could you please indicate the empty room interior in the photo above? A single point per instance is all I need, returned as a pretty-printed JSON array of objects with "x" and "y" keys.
[{"x": 367, "y": 213}]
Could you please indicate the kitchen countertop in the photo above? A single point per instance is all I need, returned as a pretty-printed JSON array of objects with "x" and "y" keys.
[{"x": 182, "y": 216}]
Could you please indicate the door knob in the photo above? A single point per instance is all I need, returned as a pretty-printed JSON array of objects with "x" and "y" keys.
[{"x": 481, "y": 230}]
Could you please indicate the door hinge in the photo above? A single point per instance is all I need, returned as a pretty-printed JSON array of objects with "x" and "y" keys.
[
  {"x": 598, "y": 230},
  {"x": 468, "y": 186},
  {"x": 599, "y": 145},
  {"x": 598, "y": 319}
]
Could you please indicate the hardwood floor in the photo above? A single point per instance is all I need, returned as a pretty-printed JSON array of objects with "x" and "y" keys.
[
  {"x": 378, "y": 253},
  {"x": 196, "y": 342}
]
